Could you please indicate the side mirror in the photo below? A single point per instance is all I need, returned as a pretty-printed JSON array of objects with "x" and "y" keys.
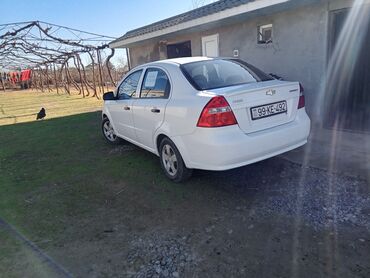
[{"x": 109, "y": 96}]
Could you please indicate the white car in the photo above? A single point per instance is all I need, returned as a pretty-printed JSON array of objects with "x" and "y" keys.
[{"x": 205, "y": 113}]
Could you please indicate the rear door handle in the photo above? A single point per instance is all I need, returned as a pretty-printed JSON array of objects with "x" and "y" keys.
[
  {"x": 155, "y": 110},
  {"x": 126, "y": 108}
]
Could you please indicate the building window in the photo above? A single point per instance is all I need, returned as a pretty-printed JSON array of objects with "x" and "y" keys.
[
  {"x": 264, "y": 34},
  {"x": 177, "y": 50}
]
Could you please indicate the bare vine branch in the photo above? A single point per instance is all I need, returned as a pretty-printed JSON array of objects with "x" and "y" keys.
[{"x": 53, "y": 53}]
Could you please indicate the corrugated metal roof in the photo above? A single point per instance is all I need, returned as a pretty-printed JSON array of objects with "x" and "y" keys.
[{"x": 209, "y": 9}]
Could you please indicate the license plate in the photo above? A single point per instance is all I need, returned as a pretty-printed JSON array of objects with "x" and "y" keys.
[{"x": 263, "y": 111}]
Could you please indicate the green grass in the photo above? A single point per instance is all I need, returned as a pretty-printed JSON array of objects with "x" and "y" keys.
[
  {"x": 60, "y": 170},
  {"x": 55, "y": 169},
  {"x": 17, "y": 260},
  {"x": 22, "y": 106}
]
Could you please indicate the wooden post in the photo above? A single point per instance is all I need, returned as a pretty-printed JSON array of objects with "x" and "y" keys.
[
  {"x": 87, "y": 84},
  {"x": 41, "y": 79},
  {"x": 73, "y": 81},
  {"x": 2, "y": 81},
  {"x": 47, "y": 78},
  {"x": 100, "y": 73},
  {"x": 66, "y": 86},
  {"x": 93, "y": 74},
  {"x": 55, "y": 79},
  {"x": 80, "y": 75}
]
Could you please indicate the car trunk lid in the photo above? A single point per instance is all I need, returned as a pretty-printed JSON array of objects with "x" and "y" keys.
[{"x": 262, "y": 105}]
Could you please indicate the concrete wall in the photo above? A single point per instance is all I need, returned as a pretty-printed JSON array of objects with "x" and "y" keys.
[
  {"x": 144, "y": 53},
  {"x": 298, "y": 51}
]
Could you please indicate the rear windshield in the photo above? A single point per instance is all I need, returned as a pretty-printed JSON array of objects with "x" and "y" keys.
[{"x": 212, "y": 74}]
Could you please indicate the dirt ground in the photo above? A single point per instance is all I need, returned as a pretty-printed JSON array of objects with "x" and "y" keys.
[{"x": 270, "y": 219}]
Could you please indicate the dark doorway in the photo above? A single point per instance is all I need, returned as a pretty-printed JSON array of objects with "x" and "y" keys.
[
  {"x": 177, "y": 50},
  {"x": 348, "y": 96}
]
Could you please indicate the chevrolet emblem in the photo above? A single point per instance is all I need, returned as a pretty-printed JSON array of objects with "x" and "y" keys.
[{"x": 270, "y": 92}]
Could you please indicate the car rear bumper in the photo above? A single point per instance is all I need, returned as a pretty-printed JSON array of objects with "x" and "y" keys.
[{"x": 228, "y": 147}]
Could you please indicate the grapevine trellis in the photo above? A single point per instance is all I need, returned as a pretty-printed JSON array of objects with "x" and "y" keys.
[{"x": 60, "y": 58}]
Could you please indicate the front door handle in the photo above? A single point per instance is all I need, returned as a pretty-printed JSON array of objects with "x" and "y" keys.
[
  {"x": 126, "y": 107},
  {"x": 155, "y": 110}
]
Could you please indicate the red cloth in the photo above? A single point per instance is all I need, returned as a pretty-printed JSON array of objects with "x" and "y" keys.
[
  {"x": 13, "y": 77},
  {"x": 25, "y": 75}
]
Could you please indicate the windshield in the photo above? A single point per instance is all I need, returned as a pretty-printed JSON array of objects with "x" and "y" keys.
[{"x": 212, "y": 74}]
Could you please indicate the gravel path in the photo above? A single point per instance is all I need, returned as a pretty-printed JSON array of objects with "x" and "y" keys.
[
  {"x": 165, "y": 257},
  {"x": 269, "y": 219},
  {"x": 322, "y": 199},
  {"x": 313, "y": 195}
]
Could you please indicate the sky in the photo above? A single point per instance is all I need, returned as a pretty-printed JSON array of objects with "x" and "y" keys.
[{"x": 106, "y": 17}]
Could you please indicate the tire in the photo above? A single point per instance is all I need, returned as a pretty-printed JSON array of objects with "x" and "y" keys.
[
  {"x": 109, "y": 133},
  {"x": 172, "y": 163}
]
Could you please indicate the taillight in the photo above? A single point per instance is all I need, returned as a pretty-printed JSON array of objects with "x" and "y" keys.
[
  {"x": 301, "y": 102},
  {"x": 217, "y": 113}
]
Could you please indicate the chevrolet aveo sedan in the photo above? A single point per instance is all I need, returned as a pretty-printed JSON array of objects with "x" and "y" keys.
[{"x": 205, "y": 113}]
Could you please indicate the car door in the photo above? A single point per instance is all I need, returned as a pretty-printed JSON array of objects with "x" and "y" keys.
[
  {"x": 149, "y": 108},
  {"x": 121, "y": 108}
]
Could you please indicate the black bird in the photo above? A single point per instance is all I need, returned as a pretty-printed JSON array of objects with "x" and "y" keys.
[{"x": 41, "y": 114}]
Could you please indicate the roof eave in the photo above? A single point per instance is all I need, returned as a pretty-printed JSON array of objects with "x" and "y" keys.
[{"x": 245, "y": 8}]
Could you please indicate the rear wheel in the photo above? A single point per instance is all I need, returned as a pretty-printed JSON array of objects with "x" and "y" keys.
[
  {"x": 109, "y": 133},
  {"x": 172, "y": 162}
]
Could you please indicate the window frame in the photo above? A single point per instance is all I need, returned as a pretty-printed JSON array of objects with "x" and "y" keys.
[
  {"x": 143, "y": 79},
  {"x": 138, "y": 84},
  {"x": 260, "y": 28}
]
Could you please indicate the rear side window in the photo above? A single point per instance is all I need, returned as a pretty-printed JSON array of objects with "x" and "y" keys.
[
  {"x": 155, "y": 84},
  {"x": 212, "y": 74}
]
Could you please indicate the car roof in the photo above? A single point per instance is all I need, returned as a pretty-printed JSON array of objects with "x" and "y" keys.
[
  {"x": 186, "y": 60},
  {"x": 180, "y": 61}
]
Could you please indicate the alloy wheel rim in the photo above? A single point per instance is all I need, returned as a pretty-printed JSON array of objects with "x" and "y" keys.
[
  {"x": 169, "y": 160},
  {"x": 109, "y": 131}
]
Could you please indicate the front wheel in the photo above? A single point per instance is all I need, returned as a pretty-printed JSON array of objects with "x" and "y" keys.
[
  {"x": 109, "y": 133},
  {"x": 172, "y": 162}
]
